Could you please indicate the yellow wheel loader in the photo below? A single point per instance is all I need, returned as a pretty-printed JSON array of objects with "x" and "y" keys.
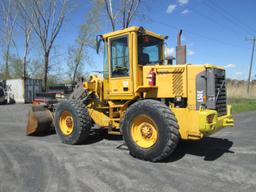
[{"x": 148, "y": 100}]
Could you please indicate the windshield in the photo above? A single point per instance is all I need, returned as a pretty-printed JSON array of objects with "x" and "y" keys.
[{"x": 149, "y": 50}]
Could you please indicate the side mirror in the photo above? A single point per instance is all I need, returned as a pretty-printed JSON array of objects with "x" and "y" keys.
[{"x": 99, "y": 39}]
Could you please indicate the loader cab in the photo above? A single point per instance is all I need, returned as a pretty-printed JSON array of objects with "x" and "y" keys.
[{"x": 125, "y": 53}]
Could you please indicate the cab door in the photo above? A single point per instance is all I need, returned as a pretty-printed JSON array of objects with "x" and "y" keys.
[{"x": 120, "y": 67}]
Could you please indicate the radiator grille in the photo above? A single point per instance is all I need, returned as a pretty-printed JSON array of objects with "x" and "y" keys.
[{"x": 220, "y": 93}]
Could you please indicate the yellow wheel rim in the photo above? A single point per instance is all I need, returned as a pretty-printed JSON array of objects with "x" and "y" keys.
[
  {"x": 144, "y": 131},
  {"x": 66, "y": 123}
]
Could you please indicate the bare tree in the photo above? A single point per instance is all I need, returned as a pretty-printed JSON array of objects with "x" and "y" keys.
[
  {"x": 126, "y": 10},
  {"x": 34, "y": 68},
  {"x": 27, "y": 28},
  {"x": 129, "y": 9},
  {"x": 76, "y": 57},
  {"x": 112, "y": 17},
  {"x": 8, "y": 14},
  {"x": 49, "y": 17},
  {"x": 85, "y": 40},
  {"x": 15, "y": 68}
]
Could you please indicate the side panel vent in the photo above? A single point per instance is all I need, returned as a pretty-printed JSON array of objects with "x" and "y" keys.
[{"x": 177, "y": 83}]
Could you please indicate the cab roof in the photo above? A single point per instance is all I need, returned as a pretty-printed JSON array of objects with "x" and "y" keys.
[{"x": 131, "y": 29}]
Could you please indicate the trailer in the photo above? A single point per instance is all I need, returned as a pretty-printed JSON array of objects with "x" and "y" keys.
[{"x": 24, "y": 90}]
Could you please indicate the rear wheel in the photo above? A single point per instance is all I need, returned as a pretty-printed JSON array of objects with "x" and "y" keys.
[
  {"x": 150, "y": 130},
  {"x": 72, "y": 122}
]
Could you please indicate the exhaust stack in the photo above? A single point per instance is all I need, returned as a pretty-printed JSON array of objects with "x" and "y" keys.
[{"x": 181, "y": 51}]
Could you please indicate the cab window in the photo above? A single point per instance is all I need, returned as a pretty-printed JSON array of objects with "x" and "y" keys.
[
  {"x": 105, "y": 61},
  {"x": 149, "y": 50},
  {"x": 120, "y": 57}
]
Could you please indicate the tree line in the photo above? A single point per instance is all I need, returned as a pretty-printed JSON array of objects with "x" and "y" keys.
[{"x": 37, "y": 24}]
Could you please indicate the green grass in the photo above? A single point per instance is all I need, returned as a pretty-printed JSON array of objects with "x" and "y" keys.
[{"x": 242, "y": 105}]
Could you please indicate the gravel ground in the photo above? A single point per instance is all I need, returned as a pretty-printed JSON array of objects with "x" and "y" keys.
[{"x": 224, "y": 162}]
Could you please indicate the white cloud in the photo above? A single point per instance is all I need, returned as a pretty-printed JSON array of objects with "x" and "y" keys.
[
  {"x": 238, "y": 73},
  {"x": 171, "y": 8},
  {"x": 190, "y": 45},
  {"x": 230, "y": 65},
  {"x": 185, "y": 11},
  {"x": 169, "y": 52},
  {"x": 190, "y": 52},
  {"x": 183, "y": 2}
]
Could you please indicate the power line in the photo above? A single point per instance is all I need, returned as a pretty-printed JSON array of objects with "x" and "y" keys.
[
  {"x": 229, "y": 17},
  {"x": 197, "y": 34},
  {"x": 213, "y": 20},
  {"x": 235, "y": 19},
  {"x": 250, "y": 69}
]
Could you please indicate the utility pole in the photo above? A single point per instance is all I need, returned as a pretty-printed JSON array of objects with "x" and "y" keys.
[{"x": 250, "y": 69}]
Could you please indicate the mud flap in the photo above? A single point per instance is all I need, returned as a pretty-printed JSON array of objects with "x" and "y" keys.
[{"x": 40, "y": 120}]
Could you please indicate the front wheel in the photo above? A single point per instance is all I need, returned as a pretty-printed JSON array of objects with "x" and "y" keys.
[
  {"x": 150, "y": 130},
  {"x": 72, "y": 122}
]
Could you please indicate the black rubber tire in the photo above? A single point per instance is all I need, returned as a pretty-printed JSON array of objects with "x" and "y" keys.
[
  {"x": 167, "y": 126},
  {"x": 82, "y": 121}
]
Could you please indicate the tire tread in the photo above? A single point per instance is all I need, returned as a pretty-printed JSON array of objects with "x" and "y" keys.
[
  {"x": 84, "y": 122},
  {"x": 172, "y": 128}
]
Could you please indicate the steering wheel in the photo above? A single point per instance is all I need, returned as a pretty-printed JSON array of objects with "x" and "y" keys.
[{"x": 119, "y": 69}]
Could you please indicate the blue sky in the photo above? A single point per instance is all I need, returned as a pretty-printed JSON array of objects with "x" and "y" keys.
[{"x": 214, "y": 30}]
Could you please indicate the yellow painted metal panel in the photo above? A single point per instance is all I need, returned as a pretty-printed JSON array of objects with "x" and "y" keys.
[
  {"x": 106, "y": 89},
  {"x": 194, "y": 125},
  {"x": 188, "y": 121},
  {"x": 192, "y": 72},
  {"x": 170, "y": 80},
  {"x": 99, "y": 118},
  {"x": 128, "y": 30}
]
